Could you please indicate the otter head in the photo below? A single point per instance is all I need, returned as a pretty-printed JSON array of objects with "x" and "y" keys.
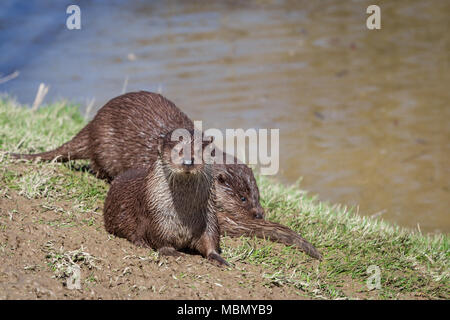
[
  {"x": 237, "y": 191},
  {"x": 181, "y": 152}
]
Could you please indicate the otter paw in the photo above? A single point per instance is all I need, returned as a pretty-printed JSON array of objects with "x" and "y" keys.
[
  {"x": 215, "y": 257},
  {"x": 169, "y": 251}
]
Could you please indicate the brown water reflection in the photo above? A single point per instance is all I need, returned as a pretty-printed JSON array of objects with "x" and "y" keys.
[{"x": 363, "y": 115}]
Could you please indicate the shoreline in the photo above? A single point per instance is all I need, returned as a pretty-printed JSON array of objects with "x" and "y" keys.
[{"x": 412, "y": 265}]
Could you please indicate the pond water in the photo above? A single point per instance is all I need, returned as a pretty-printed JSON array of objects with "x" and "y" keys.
[{"x": 364, "y": 116}]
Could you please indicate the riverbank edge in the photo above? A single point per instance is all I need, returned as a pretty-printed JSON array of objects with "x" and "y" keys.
[{"x": 355, "y": 248}]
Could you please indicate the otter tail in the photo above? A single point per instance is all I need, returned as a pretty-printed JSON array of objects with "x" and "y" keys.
[
  {"x": 265, "y": 229},
  {"x": 77, "y": 148}
]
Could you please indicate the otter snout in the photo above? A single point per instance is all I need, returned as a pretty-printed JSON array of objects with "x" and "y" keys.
[
  {"x": 188, "y": 166},
  {"x": 258, "y": 213}
]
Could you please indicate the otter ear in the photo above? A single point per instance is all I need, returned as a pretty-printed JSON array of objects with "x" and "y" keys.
[{"x": 208, "y": 139}]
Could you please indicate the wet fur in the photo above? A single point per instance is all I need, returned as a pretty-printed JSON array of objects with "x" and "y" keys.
[
  {"x": 123, "y": 135},
  {"x": 153, "y": 207},
  {"x": 239, "y": 226}
]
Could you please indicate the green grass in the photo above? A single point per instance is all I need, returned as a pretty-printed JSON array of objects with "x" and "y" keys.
[
  {"x": 409, "y": 261},
  {"x": 412, "y": 265}
]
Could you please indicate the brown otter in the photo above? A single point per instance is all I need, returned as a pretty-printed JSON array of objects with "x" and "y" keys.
[
  {"x": 169, "y": 206},
  {"x": 124, "y": 134}
]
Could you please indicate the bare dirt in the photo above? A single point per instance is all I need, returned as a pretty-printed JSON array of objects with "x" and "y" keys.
[{"x": 38, "y": 244}]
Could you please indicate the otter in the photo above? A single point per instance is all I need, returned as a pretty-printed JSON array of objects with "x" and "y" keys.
[
  {"x": 169, "y": 206},
  {"x": 123, "y": 135}
]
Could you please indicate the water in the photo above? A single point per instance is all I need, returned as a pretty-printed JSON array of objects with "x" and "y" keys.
[{"x": 363, "y": 115}]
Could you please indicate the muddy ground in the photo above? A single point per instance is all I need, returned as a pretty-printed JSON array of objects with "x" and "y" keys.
[
  {"x": 40, "y": 243},
  {"x": 53, "y": 245}
]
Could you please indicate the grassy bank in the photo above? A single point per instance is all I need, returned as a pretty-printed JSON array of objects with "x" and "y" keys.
[{"x": 51, "y": 220}]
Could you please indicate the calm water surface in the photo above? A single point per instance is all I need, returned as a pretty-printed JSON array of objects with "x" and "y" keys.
[{"x": 364, "y": 116}]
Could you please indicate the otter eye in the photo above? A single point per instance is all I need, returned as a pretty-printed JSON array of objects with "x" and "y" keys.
[{"x": 243, "y": 199}]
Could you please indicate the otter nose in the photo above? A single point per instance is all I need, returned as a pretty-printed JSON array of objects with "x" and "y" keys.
[
  {"x": 258, "y": 213},
  {"x": 187, "y": 162}
]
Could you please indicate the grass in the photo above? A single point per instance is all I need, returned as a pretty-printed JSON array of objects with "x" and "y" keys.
[
  {"x": 411, "y": 264},
  {"x": 61, "y": 261}
]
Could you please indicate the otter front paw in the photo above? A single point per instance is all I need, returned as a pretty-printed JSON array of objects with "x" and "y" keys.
[
  {"x": 169, "y": 251},
  {"x": 215, "y": 257}
]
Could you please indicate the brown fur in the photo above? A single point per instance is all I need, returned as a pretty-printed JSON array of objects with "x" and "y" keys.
[
  {"x": 168, "y": 207},
  {"x": 242, "y": 226},
  {"x": 124, "y": 134}
]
